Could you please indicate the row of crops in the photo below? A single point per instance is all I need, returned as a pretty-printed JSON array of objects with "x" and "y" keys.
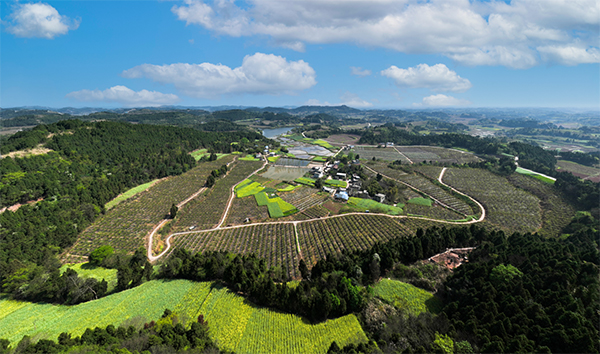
[
  {"x": 276, "y": 243},
  {"x": 205, "y": 212},
  {"x": 436, "y": 192},
  {"x": 304, "y": 198},
  {"x": 352, "y": 232},
  {"x": 506, "y": 206},
  {"x": 436, "y": 153},
  {"x": 374, "y": 206},
  {"x": 387, "y": 154},
  {"x": 234, "y": 324},
  {"x": 125, "y": 226}
]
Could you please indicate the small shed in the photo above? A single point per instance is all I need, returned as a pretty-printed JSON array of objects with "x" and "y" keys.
[{"x": 380, "y": 197}]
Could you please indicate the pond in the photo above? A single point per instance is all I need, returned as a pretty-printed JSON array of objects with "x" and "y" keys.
[{"x": 272, "y": 133}]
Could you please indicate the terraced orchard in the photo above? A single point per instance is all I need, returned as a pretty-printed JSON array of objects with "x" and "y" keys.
[
  {"x": 205, "y": 212},
  {"x": 423, "y": 184},
  {"x": 234, "y": 323},
  {"x": 506, "y": 206},
  {"x": 276, "y": 243},
  {"x": 351, "y": 232},
  {"x": 125, "y": 226}
]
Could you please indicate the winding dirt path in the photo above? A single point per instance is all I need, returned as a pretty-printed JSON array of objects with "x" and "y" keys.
[{"x": 296, "y": 222}]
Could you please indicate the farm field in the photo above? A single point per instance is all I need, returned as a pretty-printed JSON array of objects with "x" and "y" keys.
[
  {"x": 506, "y": 206},
  {"x": 276, "y": 243},
  {"x": 582, "y": 171},
  {"x": 375, "y": 207},
  {"x": 243, "y": 208},
  {"x": 351, "y": 232},
  {"x": 283, "y": 173},
  {"x": 304, "y": 197},
  {"x": 130, "y": 193},
  {"x": 434, "y": 212},
  {"x": 343, "y": 139},
  {"x": 387, "y": 154},
  {"x": 125, "y": 226},
  {"x": 534, "y": 175},
  {"x": 86, "y": 270},
  {"x": 556, "y": 212},
  {"x": 439, "y": 154},
  {"x": 234, "y": 324},
  {"x": 205, "y": 212},
  {"x": 406, "y": 297}
]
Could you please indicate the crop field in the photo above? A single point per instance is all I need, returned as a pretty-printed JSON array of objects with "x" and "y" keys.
[
  {"x": 336, "y": 183},
  {"x": 276, "y": 243},
  {"x": 582, "y": 171},
  {"x": 343, "y": 139},
  {"x": 388, "y": 154},
  {"x": 383, "y": 168},
  {"x": 86, "y": 270},
  {"x": 304, "y": 198},
  {"x": 125, "y": 226},
  {"x": 534, "y": 175},
  {"x": 373, "y": 206},
  {"x": 556, "y": 212},
  {"x": 420, "y": 201},
  {"x": 430, "y": 171},
  {"x": 434, "y": 153},
  {"x": 130, "y": 193},
  {"x": 306, "y": 180},
  {"x": 277, "y": 207},
  {"x": 205, "y": 212},
  {"x": 291, "y": 162},
  {"x": 283, "y": 173},
  {"x": 506, "y": 206},
  {"x": 434, "y": 212},
  {"x": 406, "y": 297},
  {"x": 423, "y": 184},
  {"x": 243, "y": 208},
  {"x": 234, "y": 324},
  {"x": 247, "y": 187},
  {"x": 352, "y": 232}
]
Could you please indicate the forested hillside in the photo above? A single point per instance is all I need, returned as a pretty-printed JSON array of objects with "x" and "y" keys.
[{"x": 90, "y": 163}]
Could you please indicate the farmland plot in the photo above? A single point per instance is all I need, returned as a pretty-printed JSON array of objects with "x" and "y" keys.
[
  {"x": 435, "y": 191},
  {"x": 276, "y": 243},
  {"x": 243, "y": 208},
  {"x": 304, "y": 198},
  {"x": 506, "y": 206},
  {"x": 387, "y": 154},
  {"x": 352, "y": 232},
  {"x": 234, "y": 323},
  {"x": 407, "y": 297},
  {"x": 436, "y": 153},
  {"x": 205, "y": 212},
  {"x": 125, "y": 226}
]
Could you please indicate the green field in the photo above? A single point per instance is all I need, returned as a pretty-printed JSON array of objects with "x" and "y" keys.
[
  {"x": 373, "y": 206},
  {"x": 273, "y": 158},
  {"x": 319, "y": 159},
  {"x": 336, "y": 183},
  {"x": 248, "y": 158},
  {"x": 407, "y": 297},
  {"x": 277, "y": 206},
  {"x": 247, "y": 188},
  {"x": 130, "y": 193},
  {"x": 235, "y": 324},
  {"x": 86, "y": 270},
  {"x": 305, "y": 180},
  {"x": 421, "y": 201},
  {"x": 199, "y": 153},
  {"x": 534, "y": 175}
]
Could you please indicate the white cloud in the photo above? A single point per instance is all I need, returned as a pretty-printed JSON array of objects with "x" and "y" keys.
[
  {"x": 469, "y": 32},
  {"x": 259, "y": 74},
  {"x": 358, "y": 71},
  {"x": 348, "y": 98},
  {"x": 442, "y": 101},
  {"x": 38, "y": 20},
  {"x": 570, "y": 55},
  {"x": 438, "y": 78},
  {"x": 125, "y": 96}
]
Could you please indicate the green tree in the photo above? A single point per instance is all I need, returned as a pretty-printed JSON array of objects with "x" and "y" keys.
[
  {"x": 173, "y": 211},
  {"x": 100, "y": 254}
]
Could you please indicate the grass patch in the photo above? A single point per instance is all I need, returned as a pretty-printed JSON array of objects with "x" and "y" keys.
[
  {"x": 421, "y": 201},
  {"x": 86, "y": 270},
  {"x": 273, "y": 158},
  {"x": 336, "y": 183},
  {"x": 407, "y": 297},
  {"x": 319, "y": 159},
  {"x": 287, "y": 188},
  {"x": 199, "y": 153},
  {"x": 305, "y": 180},
  {"x": 130, "y": 193},
  {"x": 373, "y": 206}
]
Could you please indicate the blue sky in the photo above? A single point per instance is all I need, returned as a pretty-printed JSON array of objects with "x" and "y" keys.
[{"x": 366, "y": 54}]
